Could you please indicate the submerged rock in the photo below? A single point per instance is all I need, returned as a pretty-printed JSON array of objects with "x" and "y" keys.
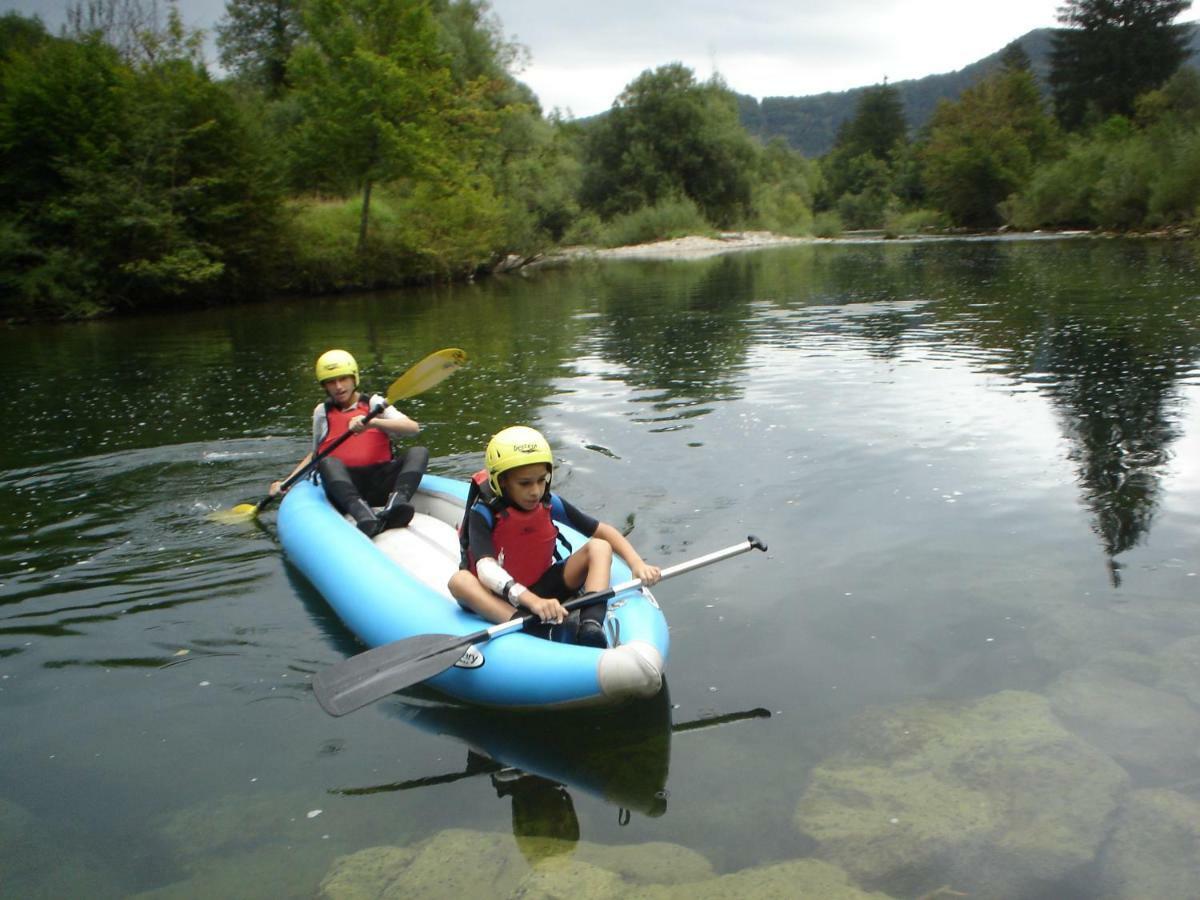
[
  {"x": 794, "y": 880},
  {"x": 1154, "y": 850},
  {"x": 994, "y": 797},
  {"x": 1150, "y": 731},
  {"x": 460, "y": 863}
]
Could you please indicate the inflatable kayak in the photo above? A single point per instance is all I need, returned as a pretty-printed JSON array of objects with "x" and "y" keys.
[{"x": 394, "y": 586}]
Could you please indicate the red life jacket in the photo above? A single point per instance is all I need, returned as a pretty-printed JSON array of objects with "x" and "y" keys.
[
  {"x": 366, "y": 447},
  {"x": 526, "y": 543}
]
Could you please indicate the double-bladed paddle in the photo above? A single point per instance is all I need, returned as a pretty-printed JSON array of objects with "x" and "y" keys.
[
  {"x": 370, "y": 676},
  {"x": 428, "y": 373}
]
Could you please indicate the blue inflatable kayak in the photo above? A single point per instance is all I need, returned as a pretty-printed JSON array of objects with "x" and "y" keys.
[{"x": 394, "y": 587}]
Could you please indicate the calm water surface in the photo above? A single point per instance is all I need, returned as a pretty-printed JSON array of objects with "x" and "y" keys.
[{"x": 977, "y": 632}]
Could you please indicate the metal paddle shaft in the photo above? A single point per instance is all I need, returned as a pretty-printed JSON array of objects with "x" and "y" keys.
[{"x": 370, "y": 676}]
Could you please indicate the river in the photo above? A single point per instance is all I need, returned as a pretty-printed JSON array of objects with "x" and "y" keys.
[{"x": 969, "y": 663}]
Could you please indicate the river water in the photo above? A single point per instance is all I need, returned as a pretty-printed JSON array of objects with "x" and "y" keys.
[{"x": 970, "y": 661}]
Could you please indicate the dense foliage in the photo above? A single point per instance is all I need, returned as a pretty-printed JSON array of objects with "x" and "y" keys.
[
  {"x": 1112, "y": 51},
  {"x": 363, "y": 143}
]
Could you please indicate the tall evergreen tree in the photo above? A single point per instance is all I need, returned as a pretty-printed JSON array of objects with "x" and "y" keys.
[
  {"x": 256, "y": 37},
  {"x": 866, "y": 145},
  {"x": 1110, "y": 52},
  {"x": 877, "y": 127}
]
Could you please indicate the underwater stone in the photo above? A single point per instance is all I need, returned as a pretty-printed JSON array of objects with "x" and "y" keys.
[
  {"x": 995, "y": 794},
  {"x": 1181, "y": 668},
  {"x": 1154, "y": 849},
  {"x": 1143, "y": 728},
  {"x": 436, "y": 869}
]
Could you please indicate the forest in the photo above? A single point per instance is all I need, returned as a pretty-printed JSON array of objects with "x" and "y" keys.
[{"x": 358, "y": 144}]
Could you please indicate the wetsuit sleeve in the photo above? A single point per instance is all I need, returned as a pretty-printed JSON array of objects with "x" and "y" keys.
[
  {"x": 571, "y": 515},
  {"x": 479, "y": 536}
]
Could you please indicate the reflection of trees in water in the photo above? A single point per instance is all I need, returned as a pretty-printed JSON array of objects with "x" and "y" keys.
[
  {"x": 1102, "y": 328},
  {"x": 688, "y": 339},
  {"x": 1114, "y": 395}
]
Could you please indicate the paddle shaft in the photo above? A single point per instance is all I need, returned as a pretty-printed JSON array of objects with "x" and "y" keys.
[
  {"x": 375, "y": 673},
  {"x": 751, "y": 543},
  {"x": 312, "y": 463}
]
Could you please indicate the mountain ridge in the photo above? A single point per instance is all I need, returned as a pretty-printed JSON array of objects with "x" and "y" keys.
[{"x": 810, "y": 123}]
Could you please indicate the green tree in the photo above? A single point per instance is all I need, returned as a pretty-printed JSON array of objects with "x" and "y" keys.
[
  {"x": 983, "y": 147},
  {"x": 256, "y": 38},
  {"x": 1110, "y": 52},
  {"x": 858, "y": 170},
  {"x": 126, "y": 187},
  {"x": 136, "y": 29},
  {"x": 877, "y": 128},
  {"x": 376, "y": 92},
  {"x": 668, "y": 136}
]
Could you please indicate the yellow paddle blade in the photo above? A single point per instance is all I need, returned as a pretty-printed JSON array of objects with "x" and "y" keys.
[
  {"x": 240, "y": 513},
  {"x": 428, "y": 373}
]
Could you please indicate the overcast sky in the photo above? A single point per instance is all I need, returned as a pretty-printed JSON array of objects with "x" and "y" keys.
[{"x": 583, "y": 54}]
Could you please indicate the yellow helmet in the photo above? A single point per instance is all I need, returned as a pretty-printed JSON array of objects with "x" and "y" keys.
[
  {"x": 513, "y": 447},
  {"x": 335, "y": 364}
]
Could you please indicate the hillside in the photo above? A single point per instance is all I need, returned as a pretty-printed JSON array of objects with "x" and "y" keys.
[{"x": 810, "y": 124}]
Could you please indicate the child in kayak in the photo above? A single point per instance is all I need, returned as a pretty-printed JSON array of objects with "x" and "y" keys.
[
  {"x": 511, "y": 559},
  {"x": 365, "y": 470}
]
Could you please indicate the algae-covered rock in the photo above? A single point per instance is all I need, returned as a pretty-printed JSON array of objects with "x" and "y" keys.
[
  {"x": 994, "y": 796},
  {"x": 459, "y": 863},
  {"x": 1154, "y": 849},
  {"x": 453, "y": 864},
  {"x": 1152, "y": 731},
  {"x": 800, "y": 879},
  {"x": 655, "y": 862}
]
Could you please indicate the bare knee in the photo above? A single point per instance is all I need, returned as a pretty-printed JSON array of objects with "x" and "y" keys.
[
  {"x": 461, "y": 585},
  {"x": 600, "y": 552}
]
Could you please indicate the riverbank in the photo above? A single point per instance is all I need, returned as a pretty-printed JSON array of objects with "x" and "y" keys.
[
  {"x": 700, "y": 247},
  {"x": 691, "y": 247}
]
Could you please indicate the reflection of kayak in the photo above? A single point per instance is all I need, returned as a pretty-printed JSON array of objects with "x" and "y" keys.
[
  {"x": 621, "y": 757},
  {"x": 395, "y": 587}
]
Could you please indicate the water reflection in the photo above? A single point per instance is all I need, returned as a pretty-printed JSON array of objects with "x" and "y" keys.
[
  {"x": 1110, "y": 342},
  {"x": 620, "y": 756}
]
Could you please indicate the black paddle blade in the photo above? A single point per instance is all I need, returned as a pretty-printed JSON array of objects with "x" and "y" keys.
[{"x": 366, "y": 677}]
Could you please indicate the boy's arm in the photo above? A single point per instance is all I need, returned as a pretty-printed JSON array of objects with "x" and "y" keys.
[
  {"x": 643, "y": 571},
  {"x": 276, "y": 486},
  {"x": 391, "y": 422}
]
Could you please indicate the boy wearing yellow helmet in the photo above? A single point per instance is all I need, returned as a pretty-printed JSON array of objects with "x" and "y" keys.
[
  {"x": 511, "y": 558},
  {"x": 365, "y": 470}
]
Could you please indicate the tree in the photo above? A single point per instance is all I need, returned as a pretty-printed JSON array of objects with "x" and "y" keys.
[
  {"x": 1110, "y": 52},
  {"x": 668, "y": 136},
  {"x": 376, "y": 91},
  {"x": 866, "y": 145},
  {"x": 255, "y": 38},
  {"x": 126, "y": 187},
  {"x": 877, "y": 128},
  {"x": 983, "y": 147},
  {"x": 136, "y": 30}
]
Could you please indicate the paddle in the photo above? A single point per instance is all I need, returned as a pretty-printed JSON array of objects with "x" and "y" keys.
[
  {"x": 370, "y": 676},
  {"x": 428, "y": 373}
]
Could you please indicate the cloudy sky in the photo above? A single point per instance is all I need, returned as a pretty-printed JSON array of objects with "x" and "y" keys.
[{"x": 582, "y": 54}]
